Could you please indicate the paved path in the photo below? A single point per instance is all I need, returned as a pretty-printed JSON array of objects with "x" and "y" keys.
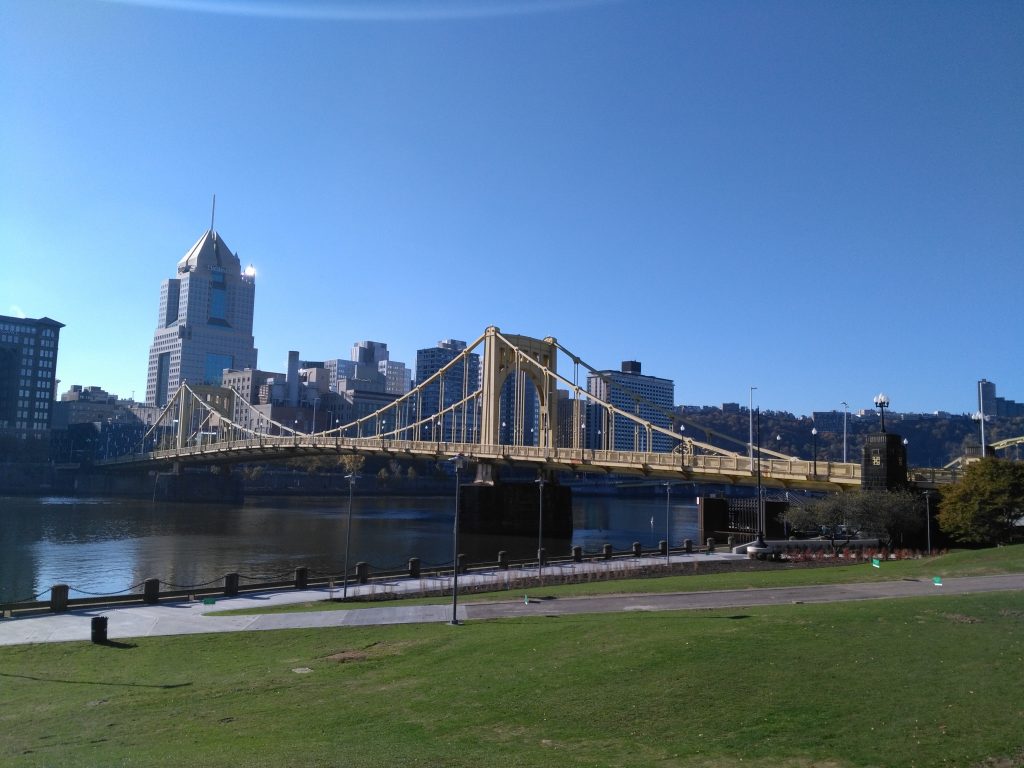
[{"x": 181, "y": 618}]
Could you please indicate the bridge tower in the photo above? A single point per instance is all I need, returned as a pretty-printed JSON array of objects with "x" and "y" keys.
[
  {"x": 884, "y": 462},
  {"x": 505, "y": 356}
]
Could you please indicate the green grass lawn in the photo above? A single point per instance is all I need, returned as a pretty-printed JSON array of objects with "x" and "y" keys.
[
  {"x": 960, "y": 563},
  {"x": 931, "y": 681}
]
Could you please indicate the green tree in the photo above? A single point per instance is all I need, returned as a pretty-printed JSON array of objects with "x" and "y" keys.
[
  {"x": 892, "y": 516},
  {"x": 984, "y": 506}
]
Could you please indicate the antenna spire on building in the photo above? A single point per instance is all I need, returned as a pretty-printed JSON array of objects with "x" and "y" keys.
[{"x": 213, "y": 210}]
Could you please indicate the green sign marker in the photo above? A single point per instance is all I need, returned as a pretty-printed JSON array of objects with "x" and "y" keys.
[
  {"x": 937, "y": 581},
  {"x": 876, "y": 563}
]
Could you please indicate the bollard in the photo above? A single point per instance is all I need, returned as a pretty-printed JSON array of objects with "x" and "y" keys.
[
  {"x": 99, "y": 629},
  {"x": 59, "y": 598},
  {"x": 301, "y": 577},
  {"x": 688, "y": 546},
  {"x": 711, "y": 545},
  {"x": 462, "y": 563},
  {"x": 636, "y": 549},
  {"x": 414, "y": 567},
  {"x": 607, "y": 551},
  {"x": 503, "y": 560},
  {"x": 542, "y": 556},
  {"x": 577, "y": 554},
  {"x": 362, "y": 572},
  {"x": 662, "y": 547},
  {"x": 151, "y": 592},
  {"x": 230, "y": 584}
]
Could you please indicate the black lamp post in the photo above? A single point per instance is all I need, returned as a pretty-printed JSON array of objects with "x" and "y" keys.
[
  {"x": 459, "y": 460},
  {"x": 760, "y": 496},
  {"x": 882, "y": 402},
  {"x": 928, "y": 517},
  {"x": 668, "y": 523},
  {"x": 814, "y": 442},
  {"x": 348, "y": 531},
  {"x": 540, "y": 528}
]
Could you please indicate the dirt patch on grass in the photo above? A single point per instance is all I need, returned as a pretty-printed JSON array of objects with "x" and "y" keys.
[
  {"x": 960, "y": 618},
  {"x": 373, "y": 650},
  {"x": 345, "y": 656},
  {"x": 1011, "y": 761}
]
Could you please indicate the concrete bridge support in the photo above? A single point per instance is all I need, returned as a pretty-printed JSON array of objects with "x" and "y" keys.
[
  {"x": 223, "y": 487},
  {"x": 512, "y": 510}
]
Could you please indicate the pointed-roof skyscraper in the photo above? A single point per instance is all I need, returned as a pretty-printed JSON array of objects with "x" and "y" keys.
[{"x": 205, "y": 320}]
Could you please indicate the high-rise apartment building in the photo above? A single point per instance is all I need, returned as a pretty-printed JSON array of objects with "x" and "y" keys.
[
  {"x": 992, "y": 405},
  {"x": 205, "y": 320},
  {"x": 28, "y": 365},
  {"x": 458, "y": 381},
  {"x": 648, "y": 397}
]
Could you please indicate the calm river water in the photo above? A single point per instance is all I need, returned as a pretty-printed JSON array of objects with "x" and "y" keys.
[{"x": 109, "y": 545}]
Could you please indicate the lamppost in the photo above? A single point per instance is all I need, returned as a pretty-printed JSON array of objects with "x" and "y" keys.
[
  {"x": 846, "y": 409},
  {"x": 540, "y": 528},
  {"x": 668, "y": 524},
  {"x": 750, "y": 444},
  {"x": 928, "y": 518},
  {"x": 348, "y": 531},
  {"x": 814, "y": 442},
  {"x": 682, "y": 453},
  {"x": 979, "y": 417},
  {"x": 315, "y": 401},
  {"x": 760, "y": 494},
  {"x": 458, "y": 461},
  {"x": 881, "y": 403}
]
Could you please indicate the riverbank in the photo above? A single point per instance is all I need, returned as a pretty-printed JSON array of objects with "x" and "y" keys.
[{"x": 548, "y": 688}]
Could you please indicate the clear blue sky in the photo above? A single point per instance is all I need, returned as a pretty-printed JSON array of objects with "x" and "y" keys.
[{"x": 822, "y": 199}]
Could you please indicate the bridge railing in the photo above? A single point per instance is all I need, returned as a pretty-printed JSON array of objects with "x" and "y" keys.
[{"x": 580, "y": 459}]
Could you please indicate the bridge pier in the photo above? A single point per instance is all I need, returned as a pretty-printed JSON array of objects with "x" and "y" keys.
[
  {"x": 222, "y": 488},
  {"x": 514, "y": 510}
]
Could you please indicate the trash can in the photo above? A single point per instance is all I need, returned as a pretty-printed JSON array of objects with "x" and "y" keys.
[{"x": 99, "y": 629}]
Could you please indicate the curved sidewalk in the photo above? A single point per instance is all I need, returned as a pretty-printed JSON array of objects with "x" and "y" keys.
[{"x": 182, "y": 618}]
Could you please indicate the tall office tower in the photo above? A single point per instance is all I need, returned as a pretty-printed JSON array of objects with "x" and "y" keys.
[
  {"x": 370, "y": 353},
  {"x": 648, "y": 397},
  {"x": 372, "y": 357},
  {"x": 459, "y": 381},
  {"x": 205, "y": 321},
  {"x": 397, "y": 378},
  {"x": 28, "y": 364}
]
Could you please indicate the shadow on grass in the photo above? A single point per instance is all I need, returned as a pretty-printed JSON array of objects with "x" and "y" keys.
[
  {"x": 166, "y": 686},
  {"x": 116, "y": 644}
]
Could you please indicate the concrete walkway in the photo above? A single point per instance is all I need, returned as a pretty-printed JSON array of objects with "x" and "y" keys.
[{"x": 183, "y": 617}]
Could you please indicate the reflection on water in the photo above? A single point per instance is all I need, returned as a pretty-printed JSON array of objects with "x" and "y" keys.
[{"x": 111, "y": 545}]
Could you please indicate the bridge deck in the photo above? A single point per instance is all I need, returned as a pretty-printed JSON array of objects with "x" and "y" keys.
[{"x": 794, "y": 473}]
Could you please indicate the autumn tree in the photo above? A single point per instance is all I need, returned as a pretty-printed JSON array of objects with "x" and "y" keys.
[
  {"x": 351, "y": 463},
  {"x": 984, "y": 507}
]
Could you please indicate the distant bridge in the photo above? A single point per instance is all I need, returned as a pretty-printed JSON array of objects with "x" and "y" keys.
[{"x": 468, "y": 422}]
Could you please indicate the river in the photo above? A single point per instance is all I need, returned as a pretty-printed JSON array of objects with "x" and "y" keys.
[{"x": 108, "y": 545}]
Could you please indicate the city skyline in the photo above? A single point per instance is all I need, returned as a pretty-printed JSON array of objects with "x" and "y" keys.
[{"x": 822, "y": 201}]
